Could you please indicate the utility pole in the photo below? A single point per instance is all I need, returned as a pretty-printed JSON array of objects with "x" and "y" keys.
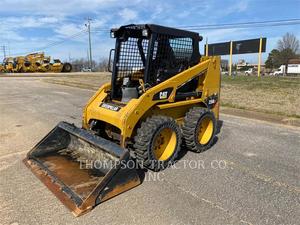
[
  {"x": 259, "y": 57},
  {"x": 230, "y": 59},
  {"x": 206, "y": 49},
  {"x": 4, "y": 51},
  {"x": 88, "y": 55},
  {"x": 88, "y": 25}
]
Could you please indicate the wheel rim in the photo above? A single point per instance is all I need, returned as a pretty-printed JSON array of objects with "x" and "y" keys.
[
  {"x": 165, "y": 144},
  {"x": 205, "y": 131}
]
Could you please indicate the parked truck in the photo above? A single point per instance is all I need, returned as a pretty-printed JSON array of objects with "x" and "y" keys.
[
  {"x": 250, "y": 71},
  {"x": 291, "y": 69}
]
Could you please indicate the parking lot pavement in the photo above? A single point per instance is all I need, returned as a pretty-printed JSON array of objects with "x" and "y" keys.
[{"x": 250, "y": 176}]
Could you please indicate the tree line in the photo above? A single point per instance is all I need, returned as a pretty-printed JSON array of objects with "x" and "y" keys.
[
  {"x": 99, "y": 66},
  {"x": 287, "y": 49}
]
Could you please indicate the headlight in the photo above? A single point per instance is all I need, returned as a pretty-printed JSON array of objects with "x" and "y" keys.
[
  {"x": 145, "y": 33},
  {"x": 112, "y": 34}
]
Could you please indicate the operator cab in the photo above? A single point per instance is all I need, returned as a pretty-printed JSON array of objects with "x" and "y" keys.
[{"x": 147, "y": 54}]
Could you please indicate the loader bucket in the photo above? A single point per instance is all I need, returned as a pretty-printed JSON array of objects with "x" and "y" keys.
[{"x": 80, "y": 168}]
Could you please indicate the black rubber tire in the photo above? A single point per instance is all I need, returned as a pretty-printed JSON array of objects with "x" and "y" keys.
[
  {"x": 67, "y": 67},
  {"x": 144, "y": 141},
  {"x": 191, "y": 126}
]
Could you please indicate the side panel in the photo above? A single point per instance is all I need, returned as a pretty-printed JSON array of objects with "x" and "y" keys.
[
  {"x": 101, "y": 95},
  {"x": 212, "y": 83},
  {"x": 175, "y": 110}
]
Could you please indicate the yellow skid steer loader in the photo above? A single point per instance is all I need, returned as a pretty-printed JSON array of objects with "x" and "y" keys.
[{"x": 163, "y": 96}]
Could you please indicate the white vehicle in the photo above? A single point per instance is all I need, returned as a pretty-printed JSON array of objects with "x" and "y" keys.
[
  {"x": 280, "y": 71},
  {"x": 250, "y": 71},
  {"x": 86, "y": 70},
  {"x": 292, "y": 69}
]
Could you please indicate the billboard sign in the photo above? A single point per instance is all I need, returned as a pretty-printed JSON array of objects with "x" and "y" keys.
[{"x": 238, "y": 47}]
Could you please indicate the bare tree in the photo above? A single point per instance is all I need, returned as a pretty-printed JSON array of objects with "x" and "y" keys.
[
  {"x": 79, "y": 64},
  {"x": 288, "y": 47},
  {"x": 288, "y": 41},
  {"x": 103, "y": 65}
]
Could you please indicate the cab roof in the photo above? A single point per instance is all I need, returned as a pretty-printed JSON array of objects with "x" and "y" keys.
[{"x": 158, "y": 29}]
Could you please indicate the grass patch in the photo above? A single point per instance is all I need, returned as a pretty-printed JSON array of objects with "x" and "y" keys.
[
  {"x": 89, "y": 81},
  {"x": 277, "y": 95}
]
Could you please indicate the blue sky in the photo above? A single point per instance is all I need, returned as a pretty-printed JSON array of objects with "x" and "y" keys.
[{"x": 27, "y": 25}]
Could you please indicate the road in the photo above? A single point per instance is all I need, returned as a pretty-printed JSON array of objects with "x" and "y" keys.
[{"x": 250, "y": 176}]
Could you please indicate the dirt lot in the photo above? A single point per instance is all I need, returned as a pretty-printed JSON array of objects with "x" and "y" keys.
[
  {"x": 88, "y": 81},
  {"x": 249, "y": 176}
]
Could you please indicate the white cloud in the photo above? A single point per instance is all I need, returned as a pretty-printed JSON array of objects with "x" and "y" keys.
[
  {"x": 100, "y": 22},
  {"x": 50, "y": 19},
  {"x": 66, "y": 30},
  {"x": 225, "y": 34},
  {"x": 59, "y": 7},
  {"x": 128, "y": 15},
  {"x": 17, "y": 22},
  {"x": 241, "y": 6},
  {"x": 220, "y": 11},
  {"x": 159, "y": 10},
  {"x": 10, "y": 35}
]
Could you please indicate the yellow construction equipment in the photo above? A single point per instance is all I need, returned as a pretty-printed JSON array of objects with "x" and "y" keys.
[
  {"x": 18, "y": 64},
  {"x": 2, "y": 66},
  {"x": 32, "y": 62},
  {"x": 163, "y": 97},
  {"x": 57, "y": 66},
  {"x": 35, "y": 62},
  {"x": 38, "y": 62},
  {"x": 8, "y": 65}
]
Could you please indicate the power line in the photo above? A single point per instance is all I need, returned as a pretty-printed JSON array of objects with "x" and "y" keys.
[
  {"x": 65, "y": 39},
  {"x": 246, "y": 23},
  {"x": 241, "y": 25}
]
